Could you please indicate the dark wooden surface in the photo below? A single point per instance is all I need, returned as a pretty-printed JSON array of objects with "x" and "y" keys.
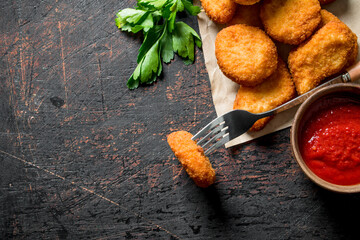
[{"x": 81, "y": 156}]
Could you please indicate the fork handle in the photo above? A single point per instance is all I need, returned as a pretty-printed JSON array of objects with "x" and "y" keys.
[{"x": 351, "y": 74}]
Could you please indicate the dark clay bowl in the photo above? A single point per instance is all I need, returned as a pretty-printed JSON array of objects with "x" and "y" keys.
[{"x": 304, "y": 113}]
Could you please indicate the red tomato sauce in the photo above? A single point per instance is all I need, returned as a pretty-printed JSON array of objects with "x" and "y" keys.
[{"x": 330, "y": 142}]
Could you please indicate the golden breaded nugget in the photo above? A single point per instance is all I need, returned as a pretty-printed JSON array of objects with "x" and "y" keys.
[
  {"x": 352, "y": 59},
  {"x": 276, "y": 90},
  {"x": 324, "y": 54},
  {"x": 249, "y": 15},
  {"x": 192, "y": 158},
  {"x": 246, "y": 2},
  {"x": 219, "y": 11},
  {"x": 290, "y": 21},
  {"x": 327, "y": 17},
  {"x": 245, "y": 54},
  {"x": 322, "y": 2}
]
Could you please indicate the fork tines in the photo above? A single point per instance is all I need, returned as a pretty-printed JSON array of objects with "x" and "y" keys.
[{"x": 212, "y": 135}]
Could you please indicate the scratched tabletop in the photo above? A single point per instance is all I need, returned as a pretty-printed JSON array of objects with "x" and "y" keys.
[{"x": 83, "y": 157}]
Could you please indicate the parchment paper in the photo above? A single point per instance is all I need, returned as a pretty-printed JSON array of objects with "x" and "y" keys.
[{"x": 224, "y": 90}]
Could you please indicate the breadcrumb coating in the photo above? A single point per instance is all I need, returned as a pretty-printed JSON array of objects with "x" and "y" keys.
[
  {"x": 354, "y": 52},
  {"x": 245, "y": 54},
  {"x": 324, "y": 54},
  {"x": 276, "y": 90},
  {"x": 219, "y": 11},
  {"x": 290, "y": 21},
  {"x": 327, "y": 17},
  {"x": 247, "y": 14},
  {"x": 192, "y": 158}
]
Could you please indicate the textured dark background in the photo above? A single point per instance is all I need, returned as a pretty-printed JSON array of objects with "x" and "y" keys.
[{"x": 81, "y": 156}]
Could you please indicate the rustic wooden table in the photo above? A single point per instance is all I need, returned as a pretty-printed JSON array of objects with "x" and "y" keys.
[{"x": 81, "y": 156}]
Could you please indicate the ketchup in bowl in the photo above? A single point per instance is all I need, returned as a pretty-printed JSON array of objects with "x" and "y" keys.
[{"x": 330, "y": 140}]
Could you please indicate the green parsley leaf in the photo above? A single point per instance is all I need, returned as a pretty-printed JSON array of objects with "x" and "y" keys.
[
  {"x": 129, "y": 15},
  {"x": 150, "y": 39},
  {"x": 183, "y": 40},
  {"x": 150, "y": 63},
  {"x": 163, "y": 36},
  {"x": 178, "y": 6},
  {"x": 133, "y": 20},
  {"x": 152, "y": 4},
  {"x": 193, "y": 10},
  {"x": 167, "y": 51},
  {"x": 132, "y": 83}
]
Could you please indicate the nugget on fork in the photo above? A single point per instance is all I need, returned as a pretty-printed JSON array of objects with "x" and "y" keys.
[{"x": 192, "y": 158}]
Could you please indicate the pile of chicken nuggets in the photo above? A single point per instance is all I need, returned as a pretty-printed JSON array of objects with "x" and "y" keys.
[
  {"x": 246, "y": 52},
  {"x": 246, "y": 49}
]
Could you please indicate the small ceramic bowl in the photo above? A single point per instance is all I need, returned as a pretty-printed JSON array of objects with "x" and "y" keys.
[{"x": 304, "y": 113}]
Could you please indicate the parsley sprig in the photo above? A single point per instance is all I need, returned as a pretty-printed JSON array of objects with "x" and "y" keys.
[{"x": 163, "y": 36}]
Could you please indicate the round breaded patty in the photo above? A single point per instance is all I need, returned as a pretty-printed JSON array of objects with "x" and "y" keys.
[
  {"x": 246, "y": 2},
  {"x": 276, "y": 90},
  {"x": 245, "y": 54},
  {"x": 219, "y": 11},
  {"x": 290, "y": 21}
]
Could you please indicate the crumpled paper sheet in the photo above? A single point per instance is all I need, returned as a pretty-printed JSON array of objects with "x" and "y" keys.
[{"x": 224, "y": 90}]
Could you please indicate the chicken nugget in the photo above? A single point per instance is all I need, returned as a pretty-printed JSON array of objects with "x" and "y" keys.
[
  {"x": 246, "y": 2},
  {"x": 322, "y": 2},
  {"x": 324, "y": 54},
  {"x": 327, "y": 17},
  {"x": 290, "y": 21},
  {"x": 219, "y": 11},
  {"x": 276, "y": 90},
  {"x": 192, "y": 158},
  {"x": 249, "y": 15},
  {"x": 245, "y": 54},
  {"x": 352, "y": 59}
]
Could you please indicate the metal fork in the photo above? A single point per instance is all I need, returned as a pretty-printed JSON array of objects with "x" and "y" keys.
[{"x": 236, "y": 122}]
